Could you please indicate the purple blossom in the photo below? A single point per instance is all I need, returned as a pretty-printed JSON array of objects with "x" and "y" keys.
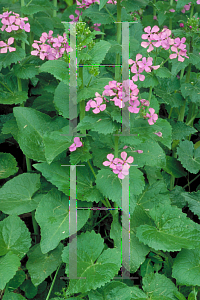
[{"x": 77, "y": 143}]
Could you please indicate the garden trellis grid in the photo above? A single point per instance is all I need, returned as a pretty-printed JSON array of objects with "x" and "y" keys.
[{"x": 125, "y": 182}]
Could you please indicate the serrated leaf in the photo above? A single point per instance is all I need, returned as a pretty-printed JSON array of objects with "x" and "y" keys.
[
  {"x": 97, "y": 16},
  {"x": 9, "y": 264},
  {"x": 98, "y": 52},
  {"x": 104, "y": 126},
  {"x": 32, "y": 126},
  {"x": 59, "y": 175},
  {"x": 172, "y": 230},
  {"x": 92, "y": 263},
  {"x": 54, "y": 223},
  {"x": 189, "y": 158},
  {"x": 55, "y": 143},
  {"x": 15, "y": 198},
  {"x": 162, "y": 72},
  {"x": 14, "y": 237},
  {"x": 16, "y": 97},
  {"x": 96, "y": 86},
  {"x": 193, "y": 200},
  {"x": 6, "y": 59},
  {"x": 102, "y": 3},
  {"x": 8, "y": 165},
  {"x": 25, "y": 69},
  {"x": 180, "y": 130},
  {"x": 193, "y": 91},
  {"x": 159, "y": 286},
  {"x": 40, "y": 265},
  {"x": 58, "y": 68},
  {"x": 173, "y": 167},
  {"x": 186, "y": 267},
  {"x": 61, "y": 99}
]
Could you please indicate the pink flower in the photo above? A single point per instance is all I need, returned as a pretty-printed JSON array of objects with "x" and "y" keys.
[
  {"x": 158, "y": 133},
  {"x": 122, "y": 165},
  {"x": 97, "y": 105},
  {"x": 152, "y": 117},
  {"x": 110, "y": 162},
  {"x": 181, "y": 24},
  {"x": 198, "y": 2},
  {"x": 7, "y": 46},
  {"x": 77, "y": 143},
  {"x": 172, "y": 10}
]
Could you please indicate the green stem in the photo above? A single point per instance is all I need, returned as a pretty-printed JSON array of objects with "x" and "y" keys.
[
  {"x": 116, "y": 145},
  {"x": 22, "y": 15},
  {"x": 49, "y": 293},
  {"x": 191, "y": 181},
  {"x": 154, "y": 8},
  {"x": 192, "y": 11},
  {"x": 91, "y": 169},
  {"x": 170, "y": 112},
  {"x": 118, "y": 55},
  {"x": 109, "y": 13},
  {"x": 54, "y": 11},
  {"x": 82, "y": 103},
  {"x": 150, "y": 93}
]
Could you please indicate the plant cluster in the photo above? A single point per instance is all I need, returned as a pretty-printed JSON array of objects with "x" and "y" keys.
[{"x": 67, "y": 221}]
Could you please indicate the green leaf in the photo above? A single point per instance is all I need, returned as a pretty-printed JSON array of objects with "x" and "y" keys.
[
  {"x": 97, "y": 16},
  {"x": 6, "y": 59},
  {"x": 55, "y": 143},
  {"x": 26, "y": 69},
  {"x": 174, "y": 167},
  {"x": 159, "y": 286},
  {"x": 61, "y": 99},
  {"x": 168, "y": 97},
  {"x": 193, "y": 91},
  {"x": 59, "y": 175},
  {"x": 15, "y": 198},
  {"x": 180, "y": 130},
  {"x": 186, "y": 267},
  {"x": 92, "y": 263},
  {"x": 13, "y": 98},
  {"x": 81, "y": 154},
  {"x": 42, "y": 24},
  {"x": 29, "y": 289},
  {"x": 36, "y": 6},
  {"x": 136, "y": 5},
  {"x": 40, "y": 265},
  {"x": 189, "y": 158},
  {"x": 8, "y": 165},
  {"x": 9, "y": 264},
  {"x": 14, "y": 237},
  {"x": 178, "y": 65},
  {"x": 102, "y": 3},
  {"x": 193, "y": 200},
  {"x": 17, "y": 280},
  {"x": 13, "y": 296},
  {"x": 44, "y": 103},
  {"x": 98, "y": 52},
  {"x": 58, "y": 68},
  {"x": 163, "y": 72},
  {"x": 104, "y": 126},
  {"x": 54, "y": 223},
  {"x": 32, "y": 126},
  {"x": 166, "y": 129},
  {"x": 96, "y": 86},
  {"x": 172, "y": 230}
]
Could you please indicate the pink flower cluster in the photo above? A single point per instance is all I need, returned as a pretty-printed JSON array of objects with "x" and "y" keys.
[
  {"x": 77, "y": 143},
  {"x": 115, "y": 89},
  {"x": 11, "y": 22},
  {"x": 87, "y": 3},
  {"x": 7, "y": 47},
  {"x": 119, "y": 166},
  {"x": 163, "y": 39},
  {"x": 60, "y": 45},
  {"x": 139, "y": 66}
]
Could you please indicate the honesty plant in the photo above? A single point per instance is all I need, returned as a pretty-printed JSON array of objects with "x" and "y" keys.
[{"x": 109, "y": 151}]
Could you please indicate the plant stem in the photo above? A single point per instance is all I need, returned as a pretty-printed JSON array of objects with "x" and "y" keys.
[
  {"x": 109, "y": 13},
  {"x": 150, "y": 93},
  {"x": 116, "y": 145},
  {"x": 54, "y": 11},
  {"x": 22, "y": 43},
  {"x": 118, "y": 56},
  {"x": 49, "y": 293},
  {"x": 82, "y": 103}
]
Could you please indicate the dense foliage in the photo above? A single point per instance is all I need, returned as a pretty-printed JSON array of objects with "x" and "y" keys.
[{"x": 100, "y": 150}]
